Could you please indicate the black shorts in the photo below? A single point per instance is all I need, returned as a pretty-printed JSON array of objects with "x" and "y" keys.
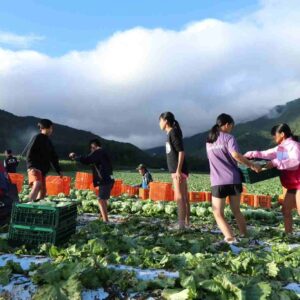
[
  {"x": 223, "y": 191},
  {"x": 105, "y": 190},
  {"x": 293, "y": 192}
]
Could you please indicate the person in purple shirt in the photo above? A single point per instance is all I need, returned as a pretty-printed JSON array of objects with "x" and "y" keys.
[{"x": 224, "y": 156}]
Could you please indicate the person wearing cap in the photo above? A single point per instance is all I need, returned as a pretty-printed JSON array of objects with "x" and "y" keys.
[
  {"x": 40, "y": 157},
  {"x": 11, "y": 162},
  {"x": 147, "y": 177}
]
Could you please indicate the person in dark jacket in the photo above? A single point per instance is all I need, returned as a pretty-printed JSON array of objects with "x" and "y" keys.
[
  {"x": 101, "y": 164},
  {"x": 11, "y": 162},
  {"x": 8, "y": 195},
  {"x": 147, "y": 177},
  {"x": 40, "y": 157}
]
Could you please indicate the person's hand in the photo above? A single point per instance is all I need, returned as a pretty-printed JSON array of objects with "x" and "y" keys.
[
  {"x": 269, "y": 165},
  {"x": 72, "y": 155},
  {"x": 249, "y": 155},
  {"x": 178, "y": 175},
  {"x": 256, "y": 168}
]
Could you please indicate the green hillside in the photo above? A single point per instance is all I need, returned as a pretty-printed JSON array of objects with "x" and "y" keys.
[
  {"x": 15, "y": 132},
  {"x": 250, "y": 135}
]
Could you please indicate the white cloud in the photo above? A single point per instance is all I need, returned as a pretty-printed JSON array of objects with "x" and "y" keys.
[
  {"x": 18, "y": 41},
  {"x": 118, "y": 90}
]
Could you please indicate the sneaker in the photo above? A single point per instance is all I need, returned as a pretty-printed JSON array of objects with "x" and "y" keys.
[
  {"x": 233, "y": 241},
  {"x": 225, "y": 242}
]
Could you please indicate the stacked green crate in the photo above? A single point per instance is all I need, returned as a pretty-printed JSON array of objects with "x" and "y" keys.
[{"x": 33, "y": 224}]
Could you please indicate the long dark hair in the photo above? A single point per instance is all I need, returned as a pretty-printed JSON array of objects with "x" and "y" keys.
[
  {"x": 284, "y": 128},
  {"x": 222, "y": 120},
  {"x": 170, "y": 118},
  {"x": 45, "y": 124}
]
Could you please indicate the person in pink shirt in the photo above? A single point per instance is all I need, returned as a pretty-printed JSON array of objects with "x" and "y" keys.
[{"x": 286, "y": 158}]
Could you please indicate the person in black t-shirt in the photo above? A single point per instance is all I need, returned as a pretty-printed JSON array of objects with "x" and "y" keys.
[
  {"x": 11, "y": 162},
  {"x": 101, "y": 164},
  {"x": 177, "y": 165},
  {"x": 40, "y": 157}
]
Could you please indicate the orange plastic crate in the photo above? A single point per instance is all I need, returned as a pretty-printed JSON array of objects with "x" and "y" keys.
[
  {"x": 17, "y": 179},
  {"x": 208, "y": 196},
  {"x": 117, "y": 188},
  {"x": 56, "y": 185},
  {"x": 161, "y": 191},
  {"x": 284, "y": 190},
  {"x": 144, "y": 194},
  {"x": 262, "y": 201},
  {"x": 227, "y": 200},
  {"x": 83, "y": 181},
  {"x": 95, "y": 189},
  {"x": 196, "y": 196},
  {"x": 247, "y": 199},
  {"x": 130, "y": 190}
]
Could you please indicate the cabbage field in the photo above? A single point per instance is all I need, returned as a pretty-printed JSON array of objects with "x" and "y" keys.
[{"x": 140, "y": 254}]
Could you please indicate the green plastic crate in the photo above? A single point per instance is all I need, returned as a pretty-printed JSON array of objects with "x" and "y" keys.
[
  {"x": 250, "y": 176},
  {"x": 34, "y": 235},
  {"x": 43, "y": 215}
]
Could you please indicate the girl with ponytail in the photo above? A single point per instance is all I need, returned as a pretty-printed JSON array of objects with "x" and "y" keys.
[
  {"x": 223, "y": 155},
  {"x": 286, "y": 158},
  {"x": 177, "y": 165}
]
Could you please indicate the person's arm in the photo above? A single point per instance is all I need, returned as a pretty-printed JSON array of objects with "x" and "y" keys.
[
  {"x": 178, "y": 146},
  {"x": 181, "y": 156},
  {"x": 32, "y": 147},
  {"x": 89, "y": 159},
  {"x": 243, "y": 160},
  {"x": 290, "y": 163},
  {"x": 269, "y": 154},
  {"x": 234, "y": 151},
  {"x": 54, "y": 160}
]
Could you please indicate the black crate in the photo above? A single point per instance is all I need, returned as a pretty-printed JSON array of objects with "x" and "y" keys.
[{"x": 250, "y": 176}]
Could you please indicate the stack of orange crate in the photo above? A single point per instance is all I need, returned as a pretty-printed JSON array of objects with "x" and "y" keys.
[
  {"x": 161, "y": 191},
  {"x": 56, "y": 185},
  {"x": 208, "y": 196},
  {"x": 117, "y": 188},
  {"x": 247, "y": 199},
  {"x": 17, "y": 179},
  {"x": 130, "y": 190},
  {"x": 264, "y": 201},
  {"x": 83, "y": 181},
  {"x": 144, "y": 194},
  {"x": 281, "y": 197},
  {"x": 197, "y": 196}
]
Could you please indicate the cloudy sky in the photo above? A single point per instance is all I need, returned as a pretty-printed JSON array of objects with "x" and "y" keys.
[{"x": 196, "y": 60}]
